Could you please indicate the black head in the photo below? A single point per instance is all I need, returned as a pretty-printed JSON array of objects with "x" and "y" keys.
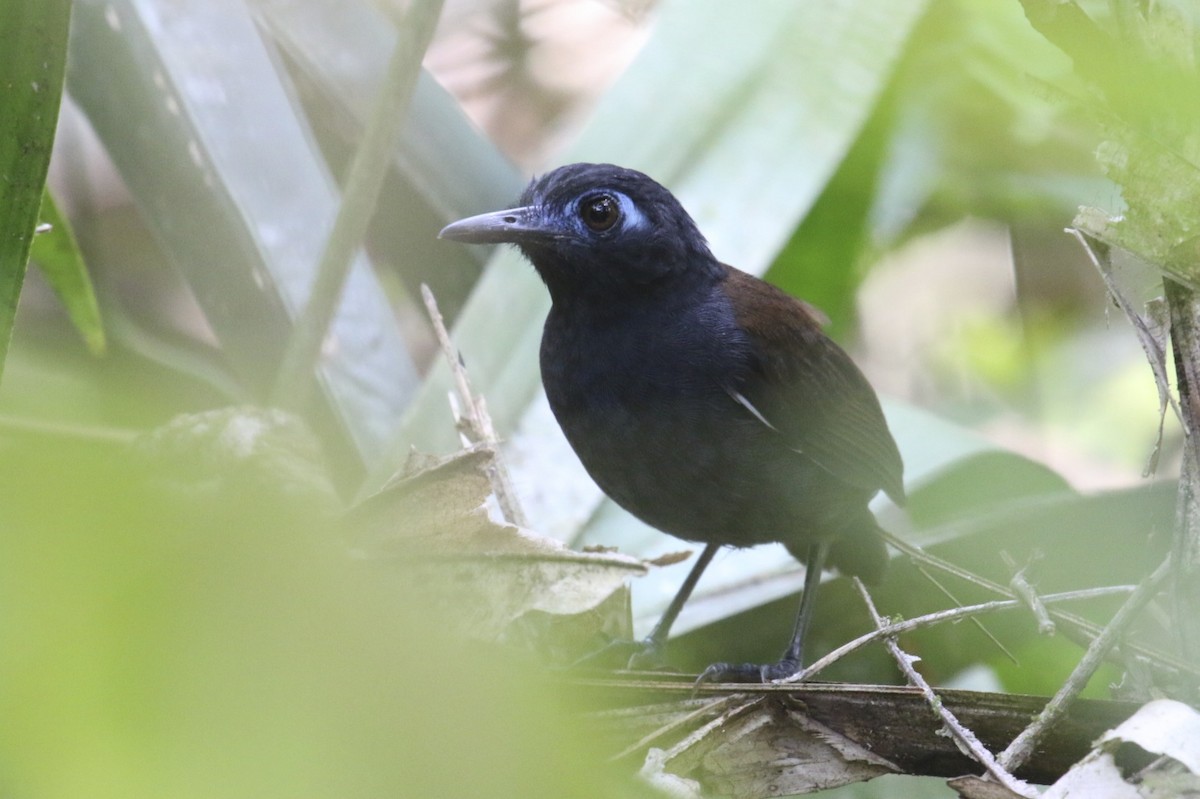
[{"x": 597, "y": 229}]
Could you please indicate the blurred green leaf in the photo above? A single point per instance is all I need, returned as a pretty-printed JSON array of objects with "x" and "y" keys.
[
  {"x": 1043, "y": 664},
  {"x": 441, "y": 170},
  {"x": 221, "y": 643},
  {"x": 191, "y": 108},
  {"x": 987, "y": 138},
  {"x": 918, "y": 164},
  {"x": 360, "y": 197},
  {"x": 57, "y": 254},
  {"x": 342, "y": 48},
  {"x": 32, "y": 61},
  {"x": 823, "y": 261}
]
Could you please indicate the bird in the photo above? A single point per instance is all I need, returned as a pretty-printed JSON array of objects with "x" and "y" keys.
[{"x": 705, "y": 401}]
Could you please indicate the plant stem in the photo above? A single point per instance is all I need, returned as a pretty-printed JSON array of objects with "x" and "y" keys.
[
  {"x": 965, "y": 739},
  {"x": 367, "y": 172},
  {"x": 1022, "y": 746},
  {"x": 1184, "y": 310}
]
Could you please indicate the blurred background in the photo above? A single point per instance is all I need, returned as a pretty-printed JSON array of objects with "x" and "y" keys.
[
  {"x": 908, "y": 167},
  {"x": 936, "y": 245}
]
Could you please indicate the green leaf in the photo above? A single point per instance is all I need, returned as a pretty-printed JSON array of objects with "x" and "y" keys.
[
  {"x": 441, "y": 169},
  {"x": 211, "y": 642},
  {"x": 823, "y": 261},
  {"x": 31, "y": 78},
  {"x": 343, "y": 48},
  {"x": 189, "y": 102},
  {"x": 57, "y": 254}
]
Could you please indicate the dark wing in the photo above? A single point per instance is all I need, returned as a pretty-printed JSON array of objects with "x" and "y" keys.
[{"x": 804, "y": 386}]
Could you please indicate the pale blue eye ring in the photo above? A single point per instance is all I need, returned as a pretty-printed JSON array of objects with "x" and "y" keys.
[{"x": 605, "y": 210}]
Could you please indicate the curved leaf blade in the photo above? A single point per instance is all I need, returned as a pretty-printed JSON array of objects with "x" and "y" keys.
[
  {"x": 191, "y": 106},
  {"x": 57, "y": 254},
  {"x": 32, "y": 63}
]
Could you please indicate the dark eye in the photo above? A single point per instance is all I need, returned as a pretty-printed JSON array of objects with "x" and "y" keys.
[{"x": 600, "y": 212}]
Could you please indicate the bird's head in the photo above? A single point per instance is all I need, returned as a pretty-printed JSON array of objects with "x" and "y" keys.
[{"x": 597, "y": 229}]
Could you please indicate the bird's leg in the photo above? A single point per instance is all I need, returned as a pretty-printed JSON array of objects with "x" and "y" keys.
[
  {"x": 647, "y": 653},
  {"x": 652, "y": 645},
  {"x": 793, "y": 659},
  {"x": 812, "y": 581}
]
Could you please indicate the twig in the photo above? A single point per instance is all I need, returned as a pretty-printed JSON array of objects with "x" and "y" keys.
[
  {"x": 1028, "y": 594},
  {"x": 1184, "y": 307},
  {"x": 367, "y": 173},
  {"x": 965, "y": 739},
  {"x": 978, "y": 624},
  {"x": 939, "y": 617},
  {"x": 703, "y": 732},
  {"x": 37, "y": 427},
  {"x": 670, "y": 727},
  {"x": 1077, "y": 628},
  {"x": 475, "y": 418},
  {"x": 1153, "y": 345},
  {"x": 1022, "y": 746},
  {"x": 921, "y": 556}
]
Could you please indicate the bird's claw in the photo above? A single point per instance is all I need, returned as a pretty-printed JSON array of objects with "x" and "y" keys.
[
  {"x": 748, "y": 672},
  {"x": 648, "y": 657}
]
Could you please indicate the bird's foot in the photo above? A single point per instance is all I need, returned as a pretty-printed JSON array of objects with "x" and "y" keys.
[
  {"x": 644, "y": 655},
  {"x": 748, "y": 672}
]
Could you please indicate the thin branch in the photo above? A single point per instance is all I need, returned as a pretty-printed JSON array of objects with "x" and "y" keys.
[
  {"x": 666, "y": 729},
  {"x": 1077, "y": 628},
  {"x": 928, "y": 620},
  {"x": 18, "y": 425},
  {"x": 1184, "y": 307},
  {"x": 720, "y": 721},
  {"x": 1022, "y": 746},
  {"x": 978, "y": 624},
  {"x": 965, "y": 739},
  {"x": 474, "y": 416},
  {"x": 474, "y": 422},
  {"x": 1153, "y": 345},
  {"x": 1028, "y": 594},
  {"x": 367, "y": 173}
]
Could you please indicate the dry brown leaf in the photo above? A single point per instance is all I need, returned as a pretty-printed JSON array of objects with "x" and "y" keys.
[{"x": 436, "y": 523}]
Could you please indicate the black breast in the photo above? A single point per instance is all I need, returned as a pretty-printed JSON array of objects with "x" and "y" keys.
[{"x": 640, "y": 396}]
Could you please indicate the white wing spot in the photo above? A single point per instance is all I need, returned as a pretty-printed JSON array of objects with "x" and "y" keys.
[{"x": 740, "y": 399}]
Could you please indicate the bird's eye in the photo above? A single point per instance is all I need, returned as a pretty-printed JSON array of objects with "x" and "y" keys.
[{"x": 600, "y": 212}]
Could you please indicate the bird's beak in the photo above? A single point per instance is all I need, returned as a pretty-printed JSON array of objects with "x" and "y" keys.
[{"x": 511, "y": 226}]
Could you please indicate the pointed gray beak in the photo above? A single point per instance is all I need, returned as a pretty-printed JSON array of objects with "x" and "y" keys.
[{"x": 511, "y": 226}]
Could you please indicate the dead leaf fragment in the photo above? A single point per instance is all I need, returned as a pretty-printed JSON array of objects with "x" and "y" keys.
[
  {"x": 775, "y": 750},
  {"x": 435, "y": 524},
  {"x": 1162, "y": 727},
  {"x": 973, "y": 787}
]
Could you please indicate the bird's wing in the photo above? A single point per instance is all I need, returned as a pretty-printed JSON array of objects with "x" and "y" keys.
[{"x": 805, "y": 387}]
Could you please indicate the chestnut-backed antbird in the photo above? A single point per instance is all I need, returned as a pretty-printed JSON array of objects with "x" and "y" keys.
[{"x": 706, "y": 402}]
